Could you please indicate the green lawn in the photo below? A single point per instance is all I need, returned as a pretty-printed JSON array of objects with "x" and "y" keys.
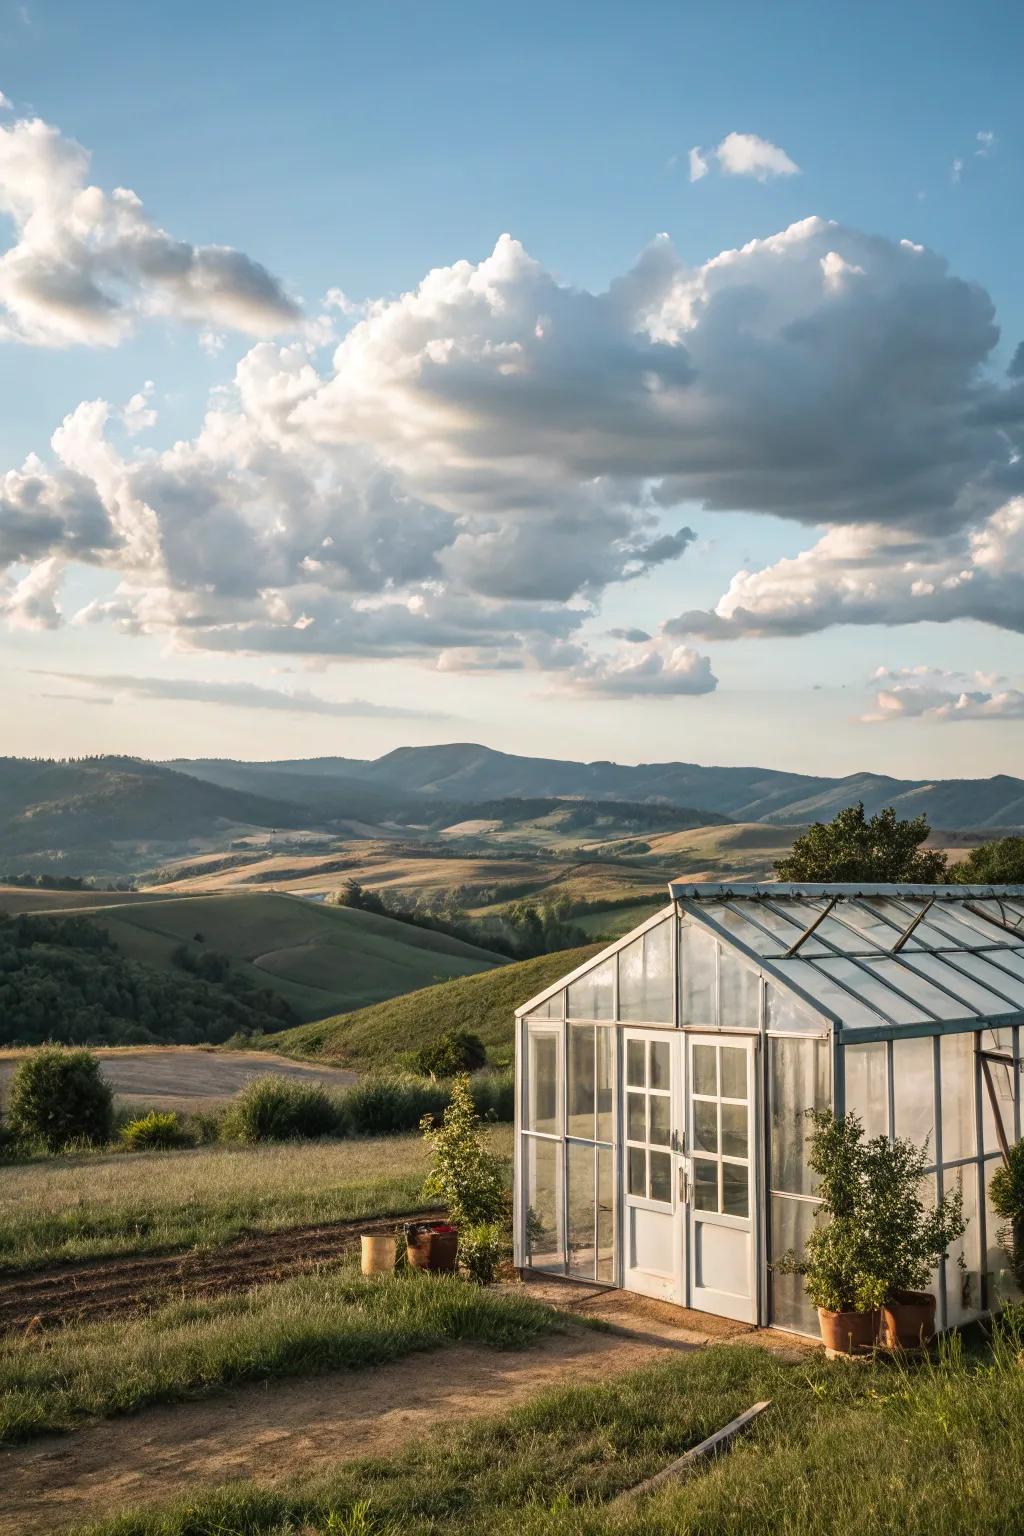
[
  {"x": 381, "y": 1035},
  {"x": 844, "y": 1450},
  {"x": 91, "y": 1205},
  {"x": 327, "y": 1320}
]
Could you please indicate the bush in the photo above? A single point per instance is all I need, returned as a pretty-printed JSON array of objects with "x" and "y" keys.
[
  {"x": 494, "y": 1094},
  {"x": 1007, "y": 1194},
  {"x": 381, "y": 1106},
  {"x": 157, "y": 1131},
  {"x": 59, "y": 1096},
  {"x": 465, "y": 1175},
  {"x": 482, "y": 1246},
  {"x": 281, "y": 1109},
  {"x": 455, "y": 1051}
]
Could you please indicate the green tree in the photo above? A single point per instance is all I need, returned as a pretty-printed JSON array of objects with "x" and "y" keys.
[
  {"x": 853, "y": 847},
  {"x": 998, "y": 863},
  {"x": 59, "y": 1097}
]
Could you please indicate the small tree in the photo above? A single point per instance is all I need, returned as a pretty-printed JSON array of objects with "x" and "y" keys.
[
  {"x": 998, "y": 863},
  {"x": 1007, "y": 1194},
  {"x": 457, "y": 1050},
  {"x": 852, "y": 847},
  {"x": 465, "y": 1175},
  {"x": 60, "y": 1096}
]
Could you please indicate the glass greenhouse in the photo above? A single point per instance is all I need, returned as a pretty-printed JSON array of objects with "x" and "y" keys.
[{"x": 661, "y": 1088}]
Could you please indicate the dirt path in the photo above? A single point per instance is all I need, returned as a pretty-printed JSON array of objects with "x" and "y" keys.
[
  {"x": 280, "y": 1430},
  {"x": 106, "y": 1287}
]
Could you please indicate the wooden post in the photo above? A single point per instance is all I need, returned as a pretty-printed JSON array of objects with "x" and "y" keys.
[{"x": 693, "y": 1459}]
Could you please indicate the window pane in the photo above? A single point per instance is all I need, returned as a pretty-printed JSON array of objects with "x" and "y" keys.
[
  {"x": 636, "y": 1057},
  {"x": 661, "y": 1177},
  {"x": 992, "y": 976},
  {"x": 972, "y": 992},
  {"x": 544, "y": 1080},
  {"x": 786, "y": 1012},
  {"x": 605, "y": 1215},
  {"x": 705, "y": 1184},
  {"x": 735, "y": 1197},
  {"x": 605, "y": 1084},
  {"x": 734, "y": 1130},
  {"x": 800, "y": 1079},
  {"x": 747, "y": 931},
  {"x": 1001, "y": 1286},
  {"x": 645, "y": 977},
  {"x": 734, "y": 1072},
  {"x": 705, "y": 1125},
  {"x": 919, "y": 988},
  {"x": 552, "y": 1009},
  {"x": 581, "y": 1080},
  {"x": 914, "y": 1091},
  {"x": 739, "y": 996},
  {"x": 963, "y": 1282},
  {"x": 593, "y": 996},
  {"x": 544, "y": 1203},
  {"x": 661, "y": 1119},
  {"x": 636, "y": 1117},
  {"x": 792, "y": 1222},
  {"x": 637, "y": 1171},
  {"x": 1002, "y": 1077},
  {"x": 956, "y": 1054},
  {"x": 819, "y": 985},
  {"x": 697, "y": 976},
  {"x": 789, "y": 921},
  {"x": 875, "y": 992},
  {"x": 705, "y": 1069},
  {"x": 867, "y": 1086},
  {"x": 660, "y": 1064},
  {"x": 581, "y": 1215}
]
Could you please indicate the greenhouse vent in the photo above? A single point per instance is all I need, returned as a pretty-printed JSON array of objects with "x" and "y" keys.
[{"x": 661, "y": 1088}]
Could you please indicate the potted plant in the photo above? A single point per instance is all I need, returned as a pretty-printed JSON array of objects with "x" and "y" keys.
[
  {"x": 1007, "y": 1195},
  {"x": 470, "y": 1181}
]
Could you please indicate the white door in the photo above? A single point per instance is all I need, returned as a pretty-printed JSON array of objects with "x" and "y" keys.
[
  {"x": 653, "y": 1225},
  {"x": 721, "y": 1183}
]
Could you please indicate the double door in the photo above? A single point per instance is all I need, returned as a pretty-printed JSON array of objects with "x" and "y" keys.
[{"x": 689, "y": 1218}]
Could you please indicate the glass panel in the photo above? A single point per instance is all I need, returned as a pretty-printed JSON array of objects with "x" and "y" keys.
[
  {"x": 552, "y": 1009},
  {"x": 963, "y": 1279},
  {"x": 544, "y": 1080},
  {"x": 581, "y": 1080},
  {"x": 661, "y": 1119},
  {"x": 636, "y": 1058},
  {"x": 544, "y": 1233},
  {"x": 661, "y": 1177},
  {"x": 1002, "y": 1078},
  {"x": 734, "y": 1130},
  {"x": 605, "y": 1084},
  {"x": 740, "y": 924},
  {"x": 593, "y": 995},
  {"x": 581, "y": 1213},
  {"x": 792, "y": 1223},
  {"x": 697, "y": 976},
  {"x": 786, "y": 1012},
  {"x": 735, "y": 1196},
  {"x": 821, "y": 987},
  {"x": 636, "y": 1117},
  {"x": 791, "y": 919},
  {"x": 1000, "y": 1283},
  {"x": 871, "y": 924},
  {"x": 705, "y": 1184},
  {"x": 956, "y": 927},
  {"x": 637, "y": 1171},
  {"x": 705, "y": 1069},
  {"x": 800, "y": 1079},
  {"x": 1008, "y": 960},
  {"x": 993, "y": 977},
  {"x": 834, "y": 932},
  {"x": 645, "y": 977},
  {"x": 705, "y": 1125},
  {"x": 972, "y": 992},
  {"x": 956, "y": 1055},
  {"x": 739, "y": 994},
  {"x": 917, "y": 986},
  {"x": 660, "y": 1064},
  {"x": 875, "y": 992},
  {"x": 605, "y": 1214},
  {"x": 734, "y": 1072},
  {"x": 986, "y": 931},
  {"x": 914, "y": 1091},
  {"x": 899, "y": 914},
  {"x": 867, "y": 1086}
]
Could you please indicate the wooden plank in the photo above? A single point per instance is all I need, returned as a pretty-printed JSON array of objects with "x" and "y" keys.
[{"x": 694, "y": 1458}]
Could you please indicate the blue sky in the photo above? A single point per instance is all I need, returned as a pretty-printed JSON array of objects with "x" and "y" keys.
[{"x": 359, "y": 147}]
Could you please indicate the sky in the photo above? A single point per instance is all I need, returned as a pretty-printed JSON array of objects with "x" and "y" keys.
[{"x": 590, "y": 380}]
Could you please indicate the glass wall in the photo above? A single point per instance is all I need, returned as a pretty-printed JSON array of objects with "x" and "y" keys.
[{"x": 799, "y": 1079}]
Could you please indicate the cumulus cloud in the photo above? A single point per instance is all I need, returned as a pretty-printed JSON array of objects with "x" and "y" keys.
[
  {"x": 926, "y": 693},
  {"x": 743, "y": 154},
  {"x": 237, "y": 695},
  {"x": 655, "y": 670},
  {"x": 698, "y": 164},
  {"x": 85, "y": 263}
]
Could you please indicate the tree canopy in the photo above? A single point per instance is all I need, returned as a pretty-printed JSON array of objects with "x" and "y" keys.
[
  {"x": 853, "y": 847},
  {"x": 998, "y": 863}
]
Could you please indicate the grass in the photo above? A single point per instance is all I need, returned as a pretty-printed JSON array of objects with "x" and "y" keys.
[
  {"x": 378, "y": 1036},
  {"x": 98, "y": 1205},
  {"x": 845, "y": 1449},
  {"x": 321, "y": 959},
  {"x": 328, "y": 1320}
]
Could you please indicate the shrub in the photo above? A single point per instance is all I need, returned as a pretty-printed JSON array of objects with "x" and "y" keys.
[
  {"x": 59, "y": 1096},
  {"x": 482, "y": 1246},
  {"x": 455, "y": 1051},
  {"x": 1007, "y": 1194},
  {"x": 382, "y": 1106},
  {"x": 494, "y": 1094},
  {"x": 465, "y": 1175},
  {"x": 281, "y": 1109},
  {"x": 157, "y": 1131}
]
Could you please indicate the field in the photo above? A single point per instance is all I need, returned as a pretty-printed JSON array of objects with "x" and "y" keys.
[{"x": 384, "y": 1034}]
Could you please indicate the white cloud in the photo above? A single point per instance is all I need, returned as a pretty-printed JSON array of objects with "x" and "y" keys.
[
  {"x": 745, "y": 154},
  {"x": 5, "y": 103},
  {"x": 139, "y": 415},
  {"x": 698, "y": 164},
  {"x": 657, "y": 669},
  {"x": 986, "y": 141},
  {"x": 238, "y": 695},
  {"x": 924, "y": 693},
  {"x": 85, "y": 264},
  {"x": 956, "y": 170}
]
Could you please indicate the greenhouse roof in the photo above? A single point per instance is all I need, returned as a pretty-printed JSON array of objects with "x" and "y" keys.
[{"x": 874, "y": 957}]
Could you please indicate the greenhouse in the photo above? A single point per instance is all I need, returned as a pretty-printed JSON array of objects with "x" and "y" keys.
[{"x": 661, "y": 1088}]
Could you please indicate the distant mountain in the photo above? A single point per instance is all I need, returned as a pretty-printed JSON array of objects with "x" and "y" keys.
[{"x": 329, "y": 788}]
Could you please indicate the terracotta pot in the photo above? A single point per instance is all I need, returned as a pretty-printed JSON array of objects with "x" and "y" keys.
[
  {"x": 434, "y": 1246},
  {"x": 848, "y": 1333},
  {"x": 908, "y": 1320},
  {"x": 378, "y": 1253}
]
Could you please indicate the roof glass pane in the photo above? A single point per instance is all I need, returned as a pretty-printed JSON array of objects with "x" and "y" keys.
[
  {"x": 1007, "y": 960},
  {"x": 948, "y": 922},
  {"x": 1003, "y": 914},
  {"x": 1008, "y": 986},
  {"x": 740, "y": 926},
  {"x": 851, "y": 1010},
  {"x": 990, "y": 933},
  {"x": 875, "y": 992},
  {"x": 918, "y": 987},
  {"x": 834, "y": 932},
  {"x": 899, "y": 915},
  {"x": 971, "y": 991},
  {"x": 789, "y": 919},
  {"x": 869, "y": 923}
]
